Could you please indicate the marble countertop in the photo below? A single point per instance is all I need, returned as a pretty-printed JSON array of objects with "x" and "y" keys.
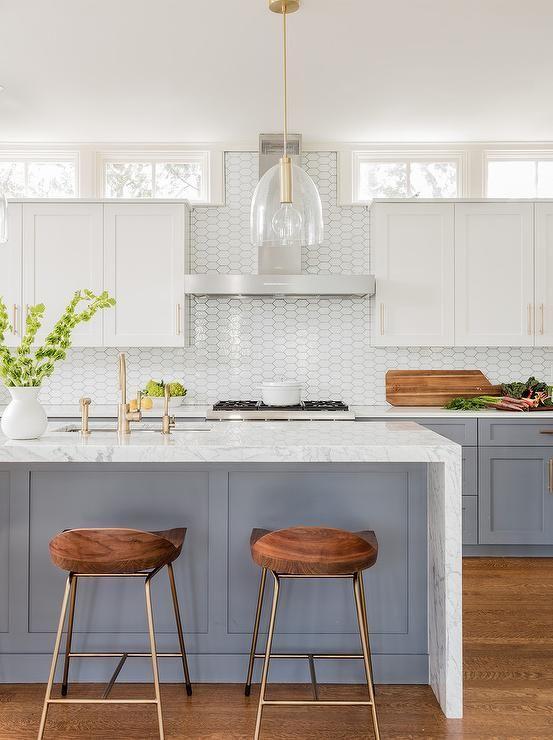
[
  {"x": 382, "y": 411},
  {"x": 340, "y": 441}
]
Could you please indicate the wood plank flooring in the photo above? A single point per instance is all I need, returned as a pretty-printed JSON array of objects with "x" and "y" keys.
[{"x": 508, "y": 608}]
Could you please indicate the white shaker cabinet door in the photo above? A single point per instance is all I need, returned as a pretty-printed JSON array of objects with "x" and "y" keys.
[
  {"x": 494, "y": 274},
  {"x": 412, "y": 252},
  {"x": 144, "y": 271},
  {"x": 63, "y": 253},
  {"x": 10, "y": 274},
  {"x": 544, "y": 275}
]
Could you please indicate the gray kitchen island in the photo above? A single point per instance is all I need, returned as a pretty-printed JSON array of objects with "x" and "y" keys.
[{"x": 221, "y": 480}]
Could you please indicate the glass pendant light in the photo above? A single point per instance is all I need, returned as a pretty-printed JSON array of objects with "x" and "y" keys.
[
  {"x": 286, "y": 206},
  {"x": 3, "y": 218}
]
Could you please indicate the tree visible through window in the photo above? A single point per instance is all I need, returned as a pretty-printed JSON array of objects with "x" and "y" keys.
[
  {"x": 406, "y": 179},
  {"x": 154, "y": 179},
  {"x": 28, "y": 178}
]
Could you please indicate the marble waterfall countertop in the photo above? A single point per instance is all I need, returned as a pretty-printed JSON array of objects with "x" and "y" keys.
[
  {"x": 252, "y": 441},
  {"x": 309, "y": 442}
]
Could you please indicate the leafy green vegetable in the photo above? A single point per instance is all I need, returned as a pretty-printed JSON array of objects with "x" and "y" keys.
[
  {"x": 21, "y": 367},
  {"x": 155, "y": 388},
  {"x": 177, "y": 389},
  {"x": 471, "y": 404},
  {"x": 514, "y": 390}
]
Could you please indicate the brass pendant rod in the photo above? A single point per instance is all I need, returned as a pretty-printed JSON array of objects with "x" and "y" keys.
[{"x": 285, "y": 76}]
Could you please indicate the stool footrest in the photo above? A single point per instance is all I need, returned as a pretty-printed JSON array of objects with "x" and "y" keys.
[
  {"x": 320, "y": 702},
  {"x": 120, "y": 655},
  {"x": 102, "y": 701},
  {"x": 315, "y": 656}
]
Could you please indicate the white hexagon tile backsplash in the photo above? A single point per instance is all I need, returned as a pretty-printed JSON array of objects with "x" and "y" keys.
[{"x": 239, "y": 342}]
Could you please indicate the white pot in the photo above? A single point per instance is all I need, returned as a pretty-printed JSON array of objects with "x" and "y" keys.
[
  {"x": 283, "y": 393},
  {"x": 24, "y": 417}
]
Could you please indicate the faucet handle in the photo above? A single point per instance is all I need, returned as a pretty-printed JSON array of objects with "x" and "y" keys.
[
  {"x": 85, "y": 405},
  {"x": 139, "y": 400}
]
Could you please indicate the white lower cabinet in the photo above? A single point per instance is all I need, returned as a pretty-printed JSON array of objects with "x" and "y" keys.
[
  {"x": 412, "y": 250},
  {"x": 10, "y": 275},
  {"x": 494, "y": 274},
  {"x": 144, "y": 246},
  {"x": 62, "y": 253}
]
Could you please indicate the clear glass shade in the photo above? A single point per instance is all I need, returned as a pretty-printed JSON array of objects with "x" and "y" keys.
[
  {"x": 296, "y": 224},
  {"x": 3, "y": 219}
]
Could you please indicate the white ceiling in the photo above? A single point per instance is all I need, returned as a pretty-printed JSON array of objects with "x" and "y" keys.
[{"x": 209, "y": 70}]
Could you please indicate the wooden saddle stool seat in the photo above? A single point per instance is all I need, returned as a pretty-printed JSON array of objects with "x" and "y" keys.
[
  {"x": 312, "y": 552},
  {"x": 114, "y": 553},
  {"x": 315, "y": 551}
]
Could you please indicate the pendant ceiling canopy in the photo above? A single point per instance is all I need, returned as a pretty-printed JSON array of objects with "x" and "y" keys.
[{"x": 286, "y": 207}]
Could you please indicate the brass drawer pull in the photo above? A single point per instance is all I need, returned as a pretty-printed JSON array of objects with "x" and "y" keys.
[{"x": 546, "y": 431}]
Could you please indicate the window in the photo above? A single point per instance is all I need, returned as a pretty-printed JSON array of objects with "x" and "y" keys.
[
  {"x": 38, "y": 177},
  {"x": 398, "y": 176},
  {"x": 520, "y": 177},
  {"x": 184, "y": 176}
]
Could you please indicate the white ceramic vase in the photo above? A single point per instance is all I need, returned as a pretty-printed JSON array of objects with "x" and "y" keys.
[{"x": 24, "y": 417}]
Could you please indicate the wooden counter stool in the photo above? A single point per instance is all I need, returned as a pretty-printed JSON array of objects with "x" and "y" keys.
[
  {"x": 114, "y": 553},
  {"x": 312, "y": 552}
]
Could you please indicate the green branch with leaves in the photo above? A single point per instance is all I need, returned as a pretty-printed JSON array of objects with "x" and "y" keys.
[{"x": 23, "y": 367}]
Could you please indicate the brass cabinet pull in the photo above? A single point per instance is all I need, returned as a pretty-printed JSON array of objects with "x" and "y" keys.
[
  {"x": 542, "y": 319},
  {"x": 546, "y": 431},
  {"x": 178, "y": 318},
  {"x": 550, "y": 482},
  {"x": 14, "y": 319},
  {"x": 381, "y": 319}
]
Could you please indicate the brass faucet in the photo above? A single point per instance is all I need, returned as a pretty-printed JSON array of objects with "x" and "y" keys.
[
  {"x": 124, "y": 413},
  {"x": 167, "y": 422},
  {"x": 85, "y": 407}
]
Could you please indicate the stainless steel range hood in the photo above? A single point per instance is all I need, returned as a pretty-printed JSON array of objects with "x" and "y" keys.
[
  {"x": 297, "y": 285},
  {"x": 279, "y": 267}
]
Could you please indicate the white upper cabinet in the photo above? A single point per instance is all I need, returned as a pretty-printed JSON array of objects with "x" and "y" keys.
[
  {"x": 10, "y": 274},
  {"x": 413, "y": 254},
  {"x": 144, "y": 270},
  {"x": 544, "y": 275},
  {"x": 62, "y": 253},
  {"x": 494, "y": 274}
]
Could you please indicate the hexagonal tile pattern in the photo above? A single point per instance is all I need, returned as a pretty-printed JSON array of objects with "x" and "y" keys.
[{"x": 239, "y": 342}]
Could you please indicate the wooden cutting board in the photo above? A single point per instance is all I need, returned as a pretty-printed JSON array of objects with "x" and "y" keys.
[{"x": 436, "y": 387}]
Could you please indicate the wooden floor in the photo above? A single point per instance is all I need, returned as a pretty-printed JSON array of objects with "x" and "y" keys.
[{"x": 508, "y": 608}]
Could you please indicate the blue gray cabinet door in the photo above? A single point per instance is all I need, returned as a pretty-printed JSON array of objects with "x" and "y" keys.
[{"x": 515, "y": 505}]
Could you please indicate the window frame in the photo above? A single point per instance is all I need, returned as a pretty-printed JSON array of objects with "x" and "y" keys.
[
  {"x": 28, "y": 156},
  {"x": 202, "y": 157},
  {"x": 403, "y": 156},
  {"x": 520, "y": 155}
]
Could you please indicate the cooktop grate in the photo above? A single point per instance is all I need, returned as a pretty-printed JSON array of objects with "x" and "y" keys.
[{"x": 259, "y": 406}]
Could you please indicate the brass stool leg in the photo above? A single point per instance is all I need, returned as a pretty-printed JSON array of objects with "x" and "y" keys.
[
  {"x": 69, "y": 638},
  {"x": 255, "y": 634},
  {"x": 267, "y": 658},
  {"x": 179, "y": 629},
  {"x": 364, "y": 642},
  {"x": 366, "y": 623},
  {"x": 55, "y": 656},
  {"x": 153, "y": 652}
]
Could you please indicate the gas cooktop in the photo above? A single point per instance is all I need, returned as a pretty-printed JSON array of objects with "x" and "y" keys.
[{"x": 248, "y": 410}]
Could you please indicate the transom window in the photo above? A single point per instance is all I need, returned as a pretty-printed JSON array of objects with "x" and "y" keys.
[
  {"x": 38, "y": 177},
  {"x": 185, "y": 176},
  {"x": 521, "y": 177},
  {"x": 404, "y": 177}
]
